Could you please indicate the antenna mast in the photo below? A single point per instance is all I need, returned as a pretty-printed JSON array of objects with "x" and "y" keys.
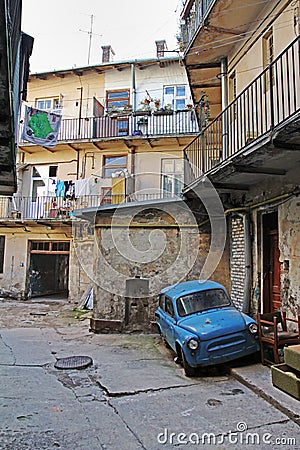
[
  {"x": 91, "y": 34},
  {"x": 90, "y": 41}
]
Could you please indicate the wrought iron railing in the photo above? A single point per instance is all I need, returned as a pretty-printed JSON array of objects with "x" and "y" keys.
[
  {"x": 194, "y": 14},
  {"x": 58, "y": 208},
  {"x": 271, "y": 98},
  {"x": 139, "y": 123}
]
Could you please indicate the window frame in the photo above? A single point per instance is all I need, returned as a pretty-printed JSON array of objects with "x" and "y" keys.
[
  {"x": 169, "y": 302},
  {"x": 175, "y": 97},
  {"x": 113, "y": 166},
  {"x": 111, "y": 103},
  {"x": 54, "y": 102},
  {"x": 173, "y": 176},
  {"x": 268, "y": 58}
]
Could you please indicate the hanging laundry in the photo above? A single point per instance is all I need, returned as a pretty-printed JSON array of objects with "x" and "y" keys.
[
  {"x": 60, "y": 189},
  {"x": 70, "y": 190},
  {"x": 41, "y": 127},
  {"x": 82, "y": 187}
]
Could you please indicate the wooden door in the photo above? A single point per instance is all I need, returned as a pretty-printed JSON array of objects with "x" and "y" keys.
[
  {"x": 271, "y": 264},
  {"x": 274, "y": 275}
]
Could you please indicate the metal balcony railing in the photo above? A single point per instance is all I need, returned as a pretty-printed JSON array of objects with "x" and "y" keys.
[
  {"x": 271, "y": 98},
  {"x": 58, "y": 208},
  {"x": 193, "y": 15},
  {"x": 122, "y": 124}
]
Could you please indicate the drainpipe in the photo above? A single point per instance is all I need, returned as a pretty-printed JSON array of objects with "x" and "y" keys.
[
  {"x": 80, "y": 109},
  {"x": 248, "y": 268},
  {"x": 133, "y": 87},
  {"x": 224, "y": 88}
]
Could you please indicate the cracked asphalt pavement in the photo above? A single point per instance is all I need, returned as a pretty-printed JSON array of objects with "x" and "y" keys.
[{"x": 133, "y": 396}]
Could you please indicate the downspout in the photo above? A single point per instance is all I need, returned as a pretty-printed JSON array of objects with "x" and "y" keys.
[
  {"x": 248, "y": 265},
  {"x": 224, "y": 89},
  {"x": 133, "y": 87}
]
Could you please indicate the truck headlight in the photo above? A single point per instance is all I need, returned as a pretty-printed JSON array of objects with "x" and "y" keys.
[
  {"x": 252, "y": 327},
  {"x": 193, "y": 344}
]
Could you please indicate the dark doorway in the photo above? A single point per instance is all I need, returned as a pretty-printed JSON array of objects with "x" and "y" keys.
[
  {"x": 49, "y": 269},
  {"x": 271, "y": 264}
]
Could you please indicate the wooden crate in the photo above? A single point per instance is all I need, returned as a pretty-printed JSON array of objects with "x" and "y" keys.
[
  {"x": 286, "y": 379},
  {"x": 292, "y": 356}
]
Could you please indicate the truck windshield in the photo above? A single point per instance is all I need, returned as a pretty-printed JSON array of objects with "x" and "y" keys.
[{"x": 201, "y": 301}]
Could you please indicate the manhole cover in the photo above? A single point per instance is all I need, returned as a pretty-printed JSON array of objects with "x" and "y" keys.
[{"x": 73, "y": 362}]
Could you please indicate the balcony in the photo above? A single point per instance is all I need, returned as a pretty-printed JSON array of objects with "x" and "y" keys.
[
  {"x": 52, "y": 209},
  {"x": 265, "y": 115},
  {"x": 138, "y": 124},
  {"x": 192, "y": 17},
  {"x": 211, "y": 28}
]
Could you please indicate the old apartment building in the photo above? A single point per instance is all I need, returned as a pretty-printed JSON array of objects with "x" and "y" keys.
[
  {"x": 123, "y": 129},
  {"x": 243, "y": 56},
  {"x": 179, "y": 144},
  {"x": 15, "y": 50}
]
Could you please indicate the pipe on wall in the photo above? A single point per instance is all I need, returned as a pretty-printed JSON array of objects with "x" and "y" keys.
[
  {"x": 224, "y": 89},
  {"x": 133, "y": 87}
]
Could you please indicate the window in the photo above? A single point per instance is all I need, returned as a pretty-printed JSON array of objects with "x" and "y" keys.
[
  {"x": 161, "y": 301},
  {"x": 169, "y": 307},
  {"x": 268, "y": 57},
  {"x": 175, "y": 96},
  {"x": 122, "y": 126},
  {"x": 53, "y": 171},
  {"x": 114, "y": 164},
  {"x": 49, "y": 104},
  {"x": 116, "y": 99},
  {"x": 43, "y": 181},
  {"x": 2, "y": 247},
  {"x": 201, "y": 301},
  {"x": 50, "y": 247},
  {"x": 172, "y": 177}
]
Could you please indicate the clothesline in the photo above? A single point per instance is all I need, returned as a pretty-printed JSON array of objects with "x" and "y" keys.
[{"x": 70, "y": 190}]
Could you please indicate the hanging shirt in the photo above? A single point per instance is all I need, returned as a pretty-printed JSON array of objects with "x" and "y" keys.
[{"x": 60, "y": 189}]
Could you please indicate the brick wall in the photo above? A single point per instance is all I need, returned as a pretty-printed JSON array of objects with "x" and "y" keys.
[{"x": 237, "y": 261}]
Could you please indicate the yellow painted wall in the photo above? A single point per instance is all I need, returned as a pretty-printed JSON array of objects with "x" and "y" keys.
[
  {"x": 69, "y": 90},
  {"x": 17, "y": 258},
  {"x": 247, "y": 60}
]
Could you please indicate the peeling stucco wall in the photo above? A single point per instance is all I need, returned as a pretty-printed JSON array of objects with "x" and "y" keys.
[
  {"x": 289, "y": 246},
  {"x": 177, "y": 255}
]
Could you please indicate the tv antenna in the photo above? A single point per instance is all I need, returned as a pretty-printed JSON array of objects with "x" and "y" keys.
[{"x": 91, "y": 34}]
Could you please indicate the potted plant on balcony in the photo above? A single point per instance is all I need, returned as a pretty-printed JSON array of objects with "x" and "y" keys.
[
  {"x": 165, "y": 111},
  {"x": 143, "y": 121},
  {"x": 156, "y": 102},
  {"x": 114, "y": 111},
  {"x": 145, "y": 110}
]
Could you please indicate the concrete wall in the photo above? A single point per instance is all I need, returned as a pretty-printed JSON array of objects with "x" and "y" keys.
[
  {"x": 68, "y": 89},
  {"x": 289, "y": 246},
  {"x": 81, "y": 261},
  {"x": 162, "y": 254},
  {"x": 267, "y": 196},
  {"x": 14, "y": 279}
]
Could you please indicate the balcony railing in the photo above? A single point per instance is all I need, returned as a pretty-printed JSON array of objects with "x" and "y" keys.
[
  {"x": 271, "y": 98},
  {"x": 56, "y": 208},
  {"x": 193, "y": 14},
  {"x": 140, "y": 123}
]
